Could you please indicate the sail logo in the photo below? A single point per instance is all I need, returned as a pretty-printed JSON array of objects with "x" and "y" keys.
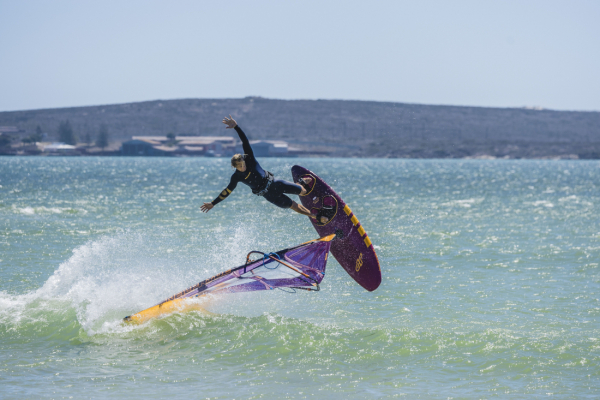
[{"x": 359, "y": 263}]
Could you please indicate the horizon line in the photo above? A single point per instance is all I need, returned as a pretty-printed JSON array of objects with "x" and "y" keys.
[{"x": 524, "y": 107}]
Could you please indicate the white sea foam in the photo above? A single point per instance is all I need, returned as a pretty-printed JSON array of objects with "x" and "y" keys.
[
  {"x": 29, "y": 210},
  {"x": 542, "y": 203},
  {"x": 107, "y": 279},
  {"x": 104, "y": 281},
  {"x": 466, "y": 203}
]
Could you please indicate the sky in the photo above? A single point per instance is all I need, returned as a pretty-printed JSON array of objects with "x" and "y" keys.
[{"x": 505, "y": 53}]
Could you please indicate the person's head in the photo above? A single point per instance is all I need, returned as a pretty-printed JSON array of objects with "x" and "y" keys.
[{"x": 237, "y": 162}]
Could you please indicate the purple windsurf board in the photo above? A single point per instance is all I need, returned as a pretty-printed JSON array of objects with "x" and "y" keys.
[{"x": 354, "y": 250}]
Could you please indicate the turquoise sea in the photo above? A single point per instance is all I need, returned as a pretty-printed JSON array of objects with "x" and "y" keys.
[{"x": 491, "y": 282}]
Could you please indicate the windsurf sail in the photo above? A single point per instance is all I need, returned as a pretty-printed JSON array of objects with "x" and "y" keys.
[{"x": 300, "y": 267}]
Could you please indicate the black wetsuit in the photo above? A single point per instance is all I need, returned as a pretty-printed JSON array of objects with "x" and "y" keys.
[{"x": 260, "y": 181}]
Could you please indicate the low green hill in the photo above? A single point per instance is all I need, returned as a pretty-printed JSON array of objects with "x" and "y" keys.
[{"x": 342, "y": 128}]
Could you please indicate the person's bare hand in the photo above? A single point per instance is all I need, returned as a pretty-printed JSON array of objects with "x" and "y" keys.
[
  {"x": 206, "y": 207},
  {"x": 230, "y": 122}
]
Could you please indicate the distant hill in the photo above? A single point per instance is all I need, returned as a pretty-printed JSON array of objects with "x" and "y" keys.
[{"x": 342, "y": 128}]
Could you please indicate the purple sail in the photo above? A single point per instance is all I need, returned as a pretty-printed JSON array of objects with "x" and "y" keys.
[{"x": 300, "y": 267}]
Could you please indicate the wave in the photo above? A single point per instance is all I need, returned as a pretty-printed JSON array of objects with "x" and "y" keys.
[
  {"x": 106, "y": 279},
  {"x": 99, "y": 284}
]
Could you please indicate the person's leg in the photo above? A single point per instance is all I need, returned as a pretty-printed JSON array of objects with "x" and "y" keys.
[
  {"x": 299, "y": 208},
  {"x": 290, "y": 188},
  {"x": 275, "y": 196}
]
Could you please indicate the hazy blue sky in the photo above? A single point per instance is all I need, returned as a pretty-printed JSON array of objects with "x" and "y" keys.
[{"x": 481, "y": 53}]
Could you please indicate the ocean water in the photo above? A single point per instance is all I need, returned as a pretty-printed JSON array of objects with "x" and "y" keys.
[{"x": 491, "y": 282}]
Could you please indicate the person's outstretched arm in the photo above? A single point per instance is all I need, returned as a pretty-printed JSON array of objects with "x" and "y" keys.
[
  {"x": 230, "y": 122},
  {"x": 206, "y": 207}
]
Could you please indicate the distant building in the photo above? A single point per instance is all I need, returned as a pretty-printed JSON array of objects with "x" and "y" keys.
[
  {"x": 8, "y": 135},
  {"x": 266, "y": 148},
  {"x": 60, "y": 149},
  {"x": 145, "y": 147},
  {"x": 207, "y": 146},
  {"x": 10, "y": 130},
  {"x": 179, "y": 146}
]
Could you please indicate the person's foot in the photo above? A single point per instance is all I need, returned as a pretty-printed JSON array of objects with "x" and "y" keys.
[
  {"x": 305, "y": 186},
  {"x": 323, "y": 220}
]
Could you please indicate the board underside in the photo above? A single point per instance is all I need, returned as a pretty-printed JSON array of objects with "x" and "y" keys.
[
  {"x": 354, "y": 251},
  {"x": 176, "y": 305}
]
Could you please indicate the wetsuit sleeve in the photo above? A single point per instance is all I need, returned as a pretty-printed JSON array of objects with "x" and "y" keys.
[
  {"x": 226, "y": 192},
  {"x": 245, "y": 142}
]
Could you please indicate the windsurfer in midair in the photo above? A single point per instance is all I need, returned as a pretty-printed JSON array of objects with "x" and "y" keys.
[{"x": 262, "y": 183}]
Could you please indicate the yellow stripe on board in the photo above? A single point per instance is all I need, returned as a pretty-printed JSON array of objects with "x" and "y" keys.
[
  {"x": 367, "y": 241},
  {"x": 347, "y": 210},
  {"x": 228, "y": 191},
  {"x": 327, "y": 238},
  {"x": 354, "y": 220},
  {"x": 361, "y": 230}
]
